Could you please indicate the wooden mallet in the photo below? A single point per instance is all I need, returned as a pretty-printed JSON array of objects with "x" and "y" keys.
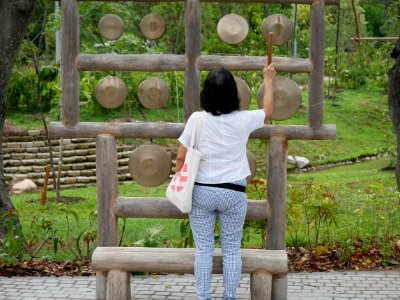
[{"x": 270, "y": 35}]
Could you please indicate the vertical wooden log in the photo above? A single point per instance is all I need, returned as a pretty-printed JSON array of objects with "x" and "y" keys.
[
  {"x": 316, "y": 79},
  {"x": 192, "y": 49},
  {"x": 107, "y": 193},
  {"x": 118, "y": 285},
  {"x": 276, "y": 196},
  {"x": 44, "y": 188},
  {"x": 69, "y": 52},
  {"x": 260, "y": 285},
  {"x": 101, "y": 285}
]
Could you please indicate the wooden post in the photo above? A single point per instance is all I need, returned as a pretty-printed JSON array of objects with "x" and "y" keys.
[
  {"x": 276, "y": 207},
  {"x": 270, "y": 36},
  {"x": 260, "y": 285},
  {"x": 192, "y": 49},
  {"x": 316, "y": 79},
  {"x": 69, "y": 52},
  {"x": 107, "y": 193},
  {"x": 118, "y": 285},
  {"x": 44, "y": 189}
]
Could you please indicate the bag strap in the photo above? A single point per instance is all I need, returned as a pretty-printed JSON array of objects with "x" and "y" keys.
[{"x": 196, "y": 129}]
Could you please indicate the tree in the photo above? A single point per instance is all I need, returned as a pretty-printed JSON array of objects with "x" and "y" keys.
[
  {"x": 394, "y": 87},
  {"x": 394, "y": 103},
  {"x": 16, "y": 15}
]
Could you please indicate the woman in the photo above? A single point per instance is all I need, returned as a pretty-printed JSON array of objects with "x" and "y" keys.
[{"x": 221, "y": 179}]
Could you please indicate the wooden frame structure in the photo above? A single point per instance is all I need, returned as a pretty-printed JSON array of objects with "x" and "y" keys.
[{"x": 268, "y": 282}]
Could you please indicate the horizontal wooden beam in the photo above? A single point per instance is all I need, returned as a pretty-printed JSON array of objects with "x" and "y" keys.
[
  {"x": 169, "y": 62},
  {"x": 181, "y": 260},
  {"x": 126, "y": 207},
  {"x": 174, "y": 130},
  {"x": 251, "y": 63},
  {"x": 131, "y": 62},
  {"x": 376, "y": 39},
  {"x": 329, "y": 2}
]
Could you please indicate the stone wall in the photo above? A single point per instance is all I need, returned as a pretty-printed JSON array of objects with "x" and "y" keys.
[{"x": 26, "y": 155}]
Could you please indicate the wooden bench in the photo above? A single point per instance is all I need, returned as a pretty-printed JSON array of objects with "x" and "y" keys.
[{"x": 120, "y": 261}]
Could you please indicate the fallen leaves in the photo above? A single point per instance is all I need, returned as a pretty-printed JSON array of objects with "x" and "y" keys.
[{"x": 47, "y": 268}]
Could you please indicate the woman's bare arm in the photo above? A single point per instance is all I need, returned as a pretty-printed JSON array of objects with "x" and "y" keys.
[
  {"x": 268, "y": 100},
  {"x": 180, "y": 158}
]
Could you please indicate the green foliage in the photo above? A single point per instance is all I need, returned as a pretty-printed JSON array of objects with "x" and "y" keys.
[
  {"x": 12, "y": 245},
  {"x": 308, "y": 208},
  {"x": 80, "y": 240},
  {"x": 256, "y": 190},
  {"x": 23, "y": 90},
  {"x": 151, "y": 239}
]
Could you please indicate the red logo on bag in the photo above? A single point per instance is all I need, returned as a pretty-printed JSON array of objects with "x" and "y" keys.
[{"x": 180, "y": 178}]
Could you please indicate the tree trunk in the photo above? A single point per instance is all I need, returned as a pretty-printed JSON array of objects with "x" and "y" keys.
[
  {"x": 15, "y": 17},
  {"x": 394, "y": 103}
]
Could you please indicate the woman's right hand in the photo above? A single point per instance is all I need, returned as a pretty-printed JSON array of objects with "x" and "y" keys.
[{"x": 269, "y": 72}]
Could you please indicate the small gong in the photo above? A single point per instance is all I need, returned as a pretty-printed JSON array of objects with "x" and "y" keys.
[
  {"x": 152, "y": 26},
  {"x": 150, "y": 165},
  {"x": 111, "y": 27},
  {"x": 232, "y": 29},
  {"x": 280, "y": 26},
  {"x": 244, "y": 93},
  {"x": 153, "y": 93},
  {"x": 252, "y": 165},
  {"x": 287, "y": 98},
  {"x": 111, "y": 92}
]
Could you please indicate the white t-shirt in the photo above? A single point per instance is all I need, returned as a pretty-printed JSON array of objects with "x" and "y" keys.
[{"x": 223, "y": 142}]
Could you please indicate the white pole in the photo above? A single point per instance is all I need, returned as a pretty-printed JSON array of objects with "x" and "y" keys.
[{"x": 294, "y": 49}]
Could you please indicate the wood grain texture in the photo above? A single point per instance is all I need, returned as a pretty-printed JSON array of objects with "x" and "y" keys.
[
  {"x": 260, "y": 285},
  {"x": 253, "y": 63},
  {"x": 174, "y": 130},
  {"x": 107, "y": 189},
  {"x": 276, "y": 193},
  {"x": 316, "y": 79},
  {"x": 69, "y": 52},
  {"x": 131, "y": 62},
  {"x": 191, "y": 91},
  {"x": 101, "y": 285},
  {"x": 126, "y": 207},
  {"x": 118, "y": 285},
  {"x": 279, "y": 286},
  {"x": 181, "y": 260}
]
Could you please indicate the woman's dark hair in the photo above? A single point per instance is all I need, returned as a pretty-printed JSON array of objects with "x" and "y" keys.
[{"x": 219, "y": 95}]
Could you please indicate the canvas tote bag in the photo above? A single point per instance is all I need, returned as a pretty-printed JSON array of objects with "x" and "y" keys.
[{"x": 179, "y": 190}]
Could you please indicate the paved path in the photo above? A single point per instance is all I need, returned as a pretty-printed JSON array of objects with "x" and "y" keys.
[{"x": 302, "y": 286}]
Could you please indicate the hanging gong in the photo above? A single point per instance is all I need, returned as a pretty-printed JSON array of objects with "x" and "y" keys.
[
  {"x": 287, "y": 98},
  {"x": 152, "y": 26},
  {"x": 111, "y": 92},
  {"x": 153, "y": 93},
  {"x": 150, "y": 165},
  {"x": 252, "y": 165},
  {"x": 111, "y": 27},
  {"x": 244, "y": 93},
  {"x": 280, "y": 26},
  {"x": 232, "y": 29}
]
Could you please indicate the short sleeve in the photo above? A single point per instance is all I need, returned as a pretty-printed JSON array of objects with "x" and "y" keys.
[
  {"x": 254, "y": 119},
  {"x": 184, "y": 139}
]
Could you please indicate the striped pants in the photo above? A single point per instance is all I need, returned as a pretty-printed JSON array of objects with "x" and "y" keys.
[{"x": 231, "y": 207}]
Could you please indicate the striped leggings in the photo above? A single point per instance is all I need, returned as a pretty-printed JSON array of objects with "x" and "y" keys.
[{"x": 231, "y": 207}]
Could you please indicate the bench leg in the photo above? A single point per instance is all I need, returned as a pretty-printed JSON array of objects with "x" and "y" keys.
[
  {"x": 101, "y": 285},
  {"x": 118, "y": 285},
  {"x": 279, "y": 287},
  {"x": 260, "y": 285}
]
